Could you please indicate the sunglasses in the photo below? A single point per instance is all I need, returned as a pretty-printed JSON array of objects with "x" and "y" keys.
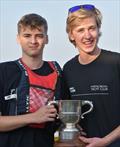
[{"x": 85, "y": 7}]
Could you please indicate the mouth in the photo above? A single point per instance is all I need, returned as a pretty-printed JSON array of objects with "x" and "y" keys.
[
  {"x": 32, "y": 47},
  {"x": 88, "y": 43}
]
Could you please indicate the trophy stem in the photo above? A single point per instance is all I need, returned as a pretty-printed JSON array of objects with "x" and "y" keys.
[{"x": 69, "y": 132}]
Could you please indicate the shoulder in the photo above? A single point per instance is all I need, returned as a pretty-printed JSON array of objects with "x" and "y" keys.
[
  {"x": 9, "y": 64},
  {"x": 111, "y": 56},
  {"x": 53, "y": 62},
  {"x": 9, "y": 74},
  {"x": 8, "y": 67},
  {"x": 110, "y": 52},
  {"x": 56, "y": 66},
  {"x": 71, "y": 63}
]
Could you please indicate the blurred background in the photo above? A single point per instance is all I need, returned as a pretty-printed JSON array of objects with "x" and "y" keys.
[{"x": 55, "y": 11}]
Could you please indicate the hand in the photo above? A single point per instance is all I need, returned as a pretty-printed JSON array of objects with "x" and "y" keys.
[
  {"x": 44, "y": 114},
  {"x": 82, "y": 133},
  {"x": 93, "y": 142}
]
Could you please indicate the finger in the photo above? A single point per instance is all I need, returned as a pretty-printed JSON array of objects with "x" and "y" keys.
[
  {"x": 51, "y": 110},
  {"x": 50, "y": 106},
  {"x": 83, "y": 133},
  {"x": 53, "y": 115},
  {"x": 50, "y": 119},
  {"x": 84, "y": 139}
]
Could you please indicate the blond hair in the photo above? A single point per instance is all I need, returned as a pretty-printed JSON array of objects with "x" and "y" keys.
[{"x": 74, "y": 19}]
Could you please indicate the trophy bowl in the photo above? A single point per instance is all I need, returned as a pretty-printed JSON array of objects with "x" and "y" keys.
[{"x": 70, "y": 114}]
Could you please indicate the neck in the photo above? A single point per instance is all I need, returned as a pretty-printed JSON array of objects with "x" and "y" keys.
[
  {"x": 88, "y": 58},
  {"x": 33, "y": 63}
]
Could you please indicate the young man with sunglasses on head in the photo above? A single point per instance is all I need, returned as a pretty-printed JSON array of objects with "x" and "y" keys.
[
  {"x": 26, "y": 86},
  {"x": 94, "y": 74}
]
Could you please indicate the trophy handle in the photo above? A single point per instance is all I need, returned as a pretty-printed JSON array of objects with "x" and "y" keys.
[
  {"x": 55, "y": 103},
  {"x": 52, "y": 103},
  {"x": 87, "y": 103}
]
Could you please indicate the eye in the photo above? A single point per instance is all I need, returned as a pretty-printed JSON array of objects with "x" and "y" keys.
[
  {"x": 40, "y": 35},
  {"x": 92, "y": 28},
  {"x": 27, "y": 35},
  {"x": 81, "y": 30}
]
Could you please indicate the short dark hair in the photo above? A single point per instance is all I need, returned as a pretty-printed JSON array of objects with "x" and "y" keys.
[{"x": 33, "y": 21}]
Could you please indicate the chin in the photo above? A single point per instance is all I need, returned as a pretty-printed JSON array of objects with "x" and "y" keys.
[
  {"x": 89, "y": 51},
  {"x": 34, "y": 55}
]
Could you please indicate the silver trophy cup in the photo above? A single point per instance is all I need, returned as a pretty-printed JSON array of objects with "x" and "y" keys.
[{"x": 70, "y": 114}]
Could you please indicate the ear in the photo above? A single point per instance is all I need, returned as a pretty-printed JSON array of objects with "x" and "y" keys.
[
  {"x": 71, "y": 37},
  {"x": 18, "y": 39},
  {"x": 100, "y": 34},
  {"x": 47, "y": 39}
]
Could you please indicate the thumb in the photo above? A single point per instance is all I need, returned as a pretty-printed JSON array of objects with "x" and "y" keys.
[{"x": 84, "y": 139}]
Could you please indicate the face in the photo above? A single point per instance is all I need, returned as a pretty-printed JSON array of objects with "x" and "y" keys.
[
  {"x": 86, "y": 36},
  {"x": 32, "y": 41}
]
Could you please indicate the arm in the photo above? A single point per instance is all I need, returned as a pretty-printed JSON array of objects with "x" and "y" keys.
[
  {"x": 115, "y": 134},
  {"x": 98, "y": 142},
  {"x": 44, "y": 114}
]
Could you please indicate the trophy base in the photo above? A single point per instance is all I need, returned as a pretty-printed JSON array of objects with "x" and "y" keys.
[
  {"x": 69, "y": 143},
  {"x": 70, "y": 132}
]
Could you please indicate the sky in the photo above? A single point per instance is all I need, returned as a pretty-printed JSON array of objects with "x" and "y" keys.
[{"x": 55, "y": 11}]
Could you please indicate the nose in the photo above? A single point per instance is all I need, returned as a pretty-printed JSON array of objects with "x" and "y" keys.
[
  {"x": 33, "y": 40},
  {"x": 87, "y": 34}
]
